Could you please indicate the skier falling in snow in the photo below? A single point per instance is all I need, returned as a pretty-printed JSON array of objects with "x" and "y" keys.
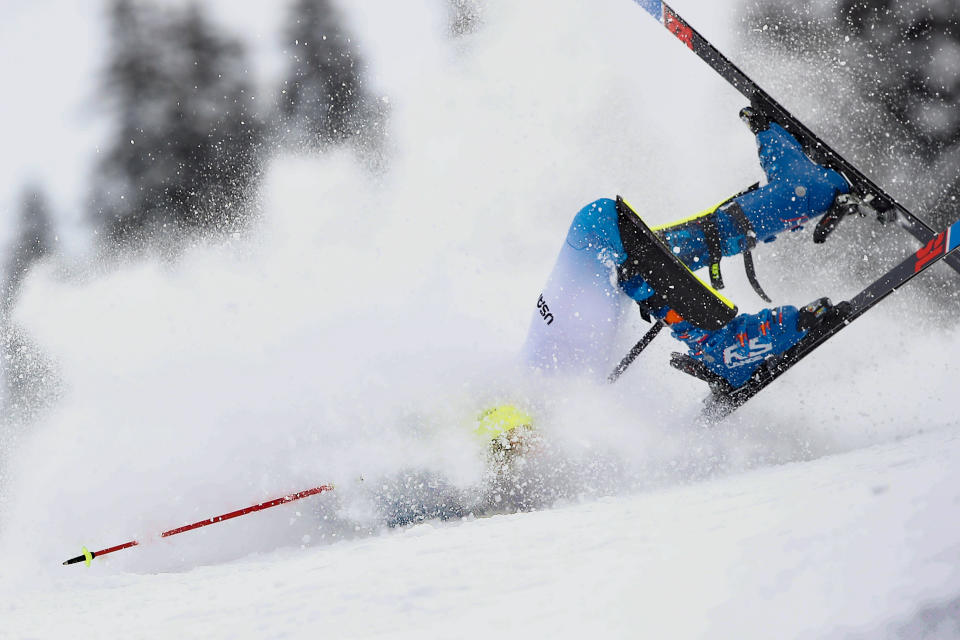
[{"x": 576, "y": 321}]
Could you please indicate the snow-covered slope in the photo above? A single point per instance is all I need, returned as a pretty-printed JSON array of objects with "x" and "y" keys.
[
  {"x": 860, "y": 545},
  {"x": 368, "y": 319}
]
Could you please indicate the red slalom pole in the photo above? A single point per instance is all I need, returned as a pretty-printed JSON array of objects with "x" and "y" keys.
[{"x": 87, "y": 556}]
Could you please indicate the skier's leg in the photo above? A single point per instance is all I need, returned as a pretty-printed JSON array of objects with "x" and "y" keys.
[
  {"x": 577, "y": 316},
  {"x": 797, "y": 190},
  {"x": 575, "y": 324},
  {"x": 578, "y": 313}
]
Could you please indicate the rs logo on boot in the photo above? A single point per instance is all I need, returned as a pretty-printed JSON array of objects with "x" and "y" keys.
[{"x": 733, "y": 358}]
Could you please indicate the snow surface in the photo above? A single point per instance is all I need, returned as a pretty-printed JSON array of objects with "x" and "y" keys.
[
  {"x": 853, "y": 545},
  {"x": 367, "y": 320}
]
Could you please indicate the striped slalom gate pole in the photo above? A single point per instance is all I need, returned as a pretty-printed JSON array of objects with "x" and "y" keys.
[{"x": 88, "y": 556}]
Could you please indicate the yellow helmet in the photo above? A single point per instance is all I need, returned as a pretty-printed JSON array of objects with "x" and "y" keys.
[{"x": 501, "y": 420}]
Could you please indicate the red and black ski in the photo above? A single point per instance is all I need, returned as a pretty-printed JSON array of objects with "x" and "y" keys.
[
  {"x": 886, "y": 206},
  {"x": 725, "y": 399}
]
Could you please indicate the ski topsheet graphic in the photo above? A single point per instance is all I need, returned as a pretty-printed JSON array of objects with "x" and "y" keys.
[{"x": 870, "y": 194}]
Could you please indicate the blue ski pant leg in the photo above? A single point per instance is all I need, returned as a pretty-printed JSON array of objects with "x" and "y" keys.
[
  {"x": 797, "y": 190},
  {"x": 574, "y": 327}
]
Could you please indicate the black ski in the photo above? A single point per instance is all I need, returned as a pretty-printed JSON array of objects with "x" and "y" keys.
[
  {"x": 725, "y": 399},
  {"x": 867, "y": 192}
]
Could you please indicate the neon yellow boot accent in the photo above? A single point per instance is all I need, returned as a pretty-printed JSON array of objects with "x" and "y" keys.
[
  {"x": 497, "y": 421},
  {"x": 695, "y": 216}
]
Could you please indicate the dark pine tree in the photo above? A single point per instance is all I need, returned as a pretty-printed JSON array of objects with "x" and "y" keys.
[
  {"x": 33, "y": 241},
  {"x": 323, "y": 101},
  {"x": 900, "y": 60},
  {"x": 917, "y": 46},
  {"x": 186, "y": 152},
  {"x": 217, "y": 141},
  {"x": 129, "y": 181},
  {"x": 29, "y": 377}
]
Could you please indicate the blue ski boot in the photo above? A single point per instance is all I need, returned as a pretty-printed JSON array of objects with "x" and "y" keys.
[
  {"x": 734, "y": 352},
  {"x": 730, "y": 355}
]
